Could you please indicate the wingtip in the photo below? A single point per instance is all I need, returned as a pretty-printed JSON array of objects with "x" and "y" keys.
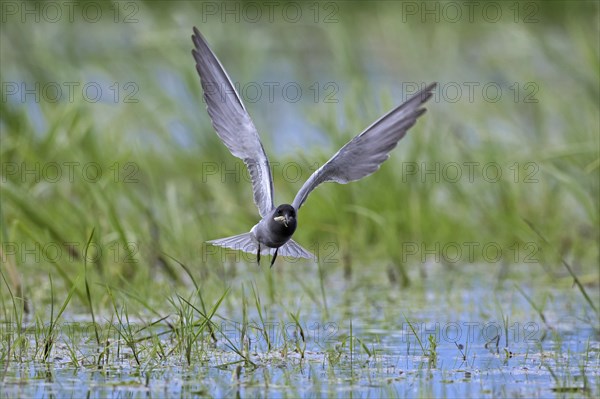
[
  {"x": 198, "y": 39},
  {"x": 425, "y": 94}
]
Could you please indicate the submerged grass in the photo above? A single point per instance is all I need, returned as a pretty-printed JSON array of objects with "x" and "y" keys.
[
  {"x": 49, "y": 334},
  {"x": 576, "y": 280}
]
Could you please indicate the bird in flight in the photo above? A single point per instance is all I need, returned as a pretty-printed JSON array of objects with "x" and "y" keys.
[{"x": 360, "y": 157}]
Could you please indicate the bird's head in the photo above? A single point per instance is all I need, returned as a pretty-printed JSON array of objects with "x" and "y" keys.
[{"x": 284, "y": 217}]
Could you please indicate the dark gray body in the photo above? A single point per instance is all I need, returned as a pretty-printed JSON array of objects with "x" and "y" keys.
[{"x": 273, "y": 233}]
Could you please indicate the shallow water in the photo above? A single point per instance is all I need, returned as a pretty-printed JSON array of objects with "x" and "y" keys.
[
  {"x": 394, "y": 368},
  {"x": 483, "y": 348}
]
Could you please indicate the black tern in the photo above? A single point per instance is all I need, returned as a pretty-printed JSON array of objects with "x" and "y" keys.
[{"x": 360, "y": 157}]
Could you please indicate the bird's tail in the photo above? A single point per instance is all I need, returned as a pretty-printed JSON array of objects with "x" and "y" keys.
[
  {"x": 247, "y": 243},
  {"x": 293, "y": 250},
  {"x": 242, "y": 242}
]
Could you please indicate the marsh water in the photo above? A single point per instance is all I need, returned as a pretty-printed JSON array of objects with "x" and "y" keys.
[{"x": 454, "y": 338}]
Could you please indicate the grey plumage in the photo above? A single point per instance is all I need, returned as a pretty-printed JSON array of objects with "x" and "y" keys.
[
  {"x": 360, "y": 157},
  {"x": 232, "y": 123},
  {"x": 365, "y": 153}
]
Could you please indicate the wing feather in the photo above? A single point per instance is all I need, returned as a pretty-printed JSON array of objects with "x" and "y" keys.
[
  {"x": 232, "y": 122},
  {"x": 365, "y": 153}
]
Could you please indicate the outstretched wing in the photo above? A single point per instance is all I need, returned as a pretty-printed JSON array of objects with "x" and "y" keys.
[
  {"x": 232, "y": 123},
  {"x": 365, "y": 153}
]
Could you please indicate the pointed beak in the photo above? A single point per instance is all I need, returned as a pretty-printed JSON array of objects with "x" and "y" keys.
[{"x": 282, "y": 219}]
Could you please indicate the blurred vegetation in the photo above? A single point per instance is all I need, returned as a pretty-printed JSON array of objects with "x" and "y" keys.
[{"x": 149, "y": 138}]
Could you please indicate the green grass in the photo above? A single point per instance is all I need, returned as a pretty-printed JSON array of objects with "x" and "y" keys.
[{"x": 154, "y": 292}]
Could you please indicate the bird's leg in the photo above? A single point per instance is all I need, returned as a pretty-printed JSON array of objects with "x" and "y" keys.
[
  {"x": 258, "y": 255},
  {"x": 274, "y": 257}
]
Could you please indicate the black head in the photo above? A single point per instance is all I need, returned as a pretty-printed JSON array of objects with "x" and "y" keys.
[{"x": 284, "y": 220}]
